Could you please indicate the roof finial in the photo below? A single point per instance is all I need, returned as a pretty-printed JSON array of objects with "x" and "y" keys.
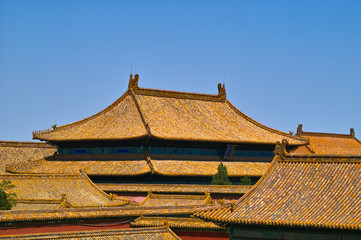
[
  {"x": 280, "y": 149},
  {"x": 352, "y": 132},
  {"x": 299, "y": 129},
  {"x": 222, "y": 91},
  {"x": 133, "y": 82}
]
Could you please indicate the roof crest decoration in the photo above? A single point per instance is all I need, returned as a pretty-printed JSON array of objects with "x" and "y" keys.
[
  {"x": 221, "y": 91},
  {"x": 133, "y": 82}
]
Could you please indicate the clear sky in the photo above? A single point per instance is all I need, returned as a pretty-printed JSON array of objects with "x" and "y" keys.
[{"x": 283, "y": 62}]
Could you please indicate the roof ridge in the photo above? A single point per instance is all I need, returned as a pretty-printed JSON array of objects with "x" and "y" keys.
[
  {"x": 322, "y": 158},
  {"x": 24, "y": 144},
  {"x": 55, "y": 128},
  {"x": 146, "y": 125},
  {"x": 322, "y": 134},
  {"x": 178, "y": 94},
  {"x": 264, "y": 126}
]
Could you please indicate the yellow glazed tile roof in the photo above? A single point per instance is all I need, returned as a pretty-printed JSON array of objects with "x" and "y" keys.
[
  {"x": 140, "y": 167},
  {"x": 42, "y": 191},
  {"x": 14, "y": 152},
  {"x": 153, "y": 200},
  {"x": 173, "y": 188},
  {"x": 208, "y": 168},
  {"x": 328, "y": 143},
  {"x": 161, "y": 233},
  {"x": 94, "y": 168},
  {"x": 171, "y": 115},
  {"x": 175, "y": 222},
  {"x": 127, "y": 211},
  {"x": 301, "y": 191}
]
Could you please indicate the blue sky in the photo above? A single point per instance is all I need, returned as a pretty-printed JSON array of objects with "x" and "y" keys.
[{"x": 283, "y": 62}]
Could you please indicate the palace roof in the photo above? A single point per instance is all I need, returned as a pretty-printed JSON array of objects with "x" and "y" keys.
[
  {"x": 329, "y": 143},
  {"x": 14, "y": 152},
  {"x": 169, "y": 115},
  {"x": 173, "y": 188},
  {"x": 175, "y": 222},
  {"x": 153, "y": 200},
  {"x": 41, "y": 192},
  {"x": 300, "y": 191},
  {"x": 137, "y": 233},
  {"x": 127, "y": 211},
  {"x": 140, "y": 167}
]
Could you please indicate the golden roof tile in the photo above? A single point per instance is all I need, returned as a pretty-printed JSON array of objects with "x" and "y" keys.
[
  {"x": 140, "y": 167},
  {"x": 297, "y": 192},
  {"x": 173, "y": 188},
  {"x": 13, "y": 152},
  {"x": 175, "y": 222},
  {"x": 153, "y": 200},
  {"x": 171, "y": 115},
  {"x": 329, "y": 143},
  {"x": 43, "y": 191},
  {"x": 208, "y": 168},
  {"x": 126, "y": 211},
  {"x": 94, "y": 168},
  {"x": 135, "y": 234}
]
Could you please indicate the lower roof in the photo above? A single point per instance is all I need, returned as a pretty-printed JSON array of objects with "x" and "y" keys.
[
  {"x": 128, "y": 211},
  {"x": 297, "y": 192},
  {"x": 12, "y": 152},
  {"x": 176, "y": 222},
  {"x": 50, "y": 191},
  {"x": 154, "y": 200},
  {"x": 141, "y": 167},
  {"x": 329, "y": 143},
  {"x": 174, "y": 188},
  {"x": 134, "y": 233}
]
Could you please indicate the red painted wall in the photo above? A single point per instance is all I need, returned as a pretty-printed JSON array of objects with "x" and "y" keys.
[{"x": 202, "y": 235}]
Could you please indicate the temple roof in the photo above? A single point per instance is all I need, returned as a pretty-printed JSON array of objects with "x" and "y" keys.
[
  {"x": 174, "y": 188},
  {"x": 135, "y": 234},
  {"x": 169, "y": 115},
  {"x": 297, "y": 192},
  {"x": 329, "y": 143},
  {"x": 153, "y": 200},
  {"x": 140, "y": 167},
  {"x": 41, "y": 192},
  {"x": 13, "y": 152},
  {"x": 93, "y": 168},
  {"x": 127, "y": 211},
  {"x": 175, "y": 222}
]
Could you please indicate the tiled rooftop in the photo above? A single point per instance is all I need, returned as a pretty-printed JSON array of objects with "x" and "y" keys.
[
  {"x": 140, "y": 167},
  {"x": 36, "y": 192},
  {"x": 153, "y": 200},
  {"x": 94, "y": 168},
  {"x": 127, "y": 211},
  {"x": 208, "y": 168},
  {"x": 14, "y": 152},
  {"x": 173, "y": 188},
  {"x": 161, "y": 233},
  {"x": 175, "y": 222},
  {"x": 329, "y": 144},
  {"x": 172, "y": 115},
  {"x": 297, "y": 192}
]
